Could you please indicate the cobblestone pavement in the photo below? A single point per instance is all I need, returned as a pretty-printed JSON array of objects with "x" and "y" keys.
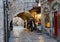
[{"x": 19, "y": 34}]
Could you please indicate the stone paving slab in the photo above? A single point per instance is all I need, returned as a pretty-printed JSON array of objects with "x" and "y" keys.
[{"x": 26, "y": 36}]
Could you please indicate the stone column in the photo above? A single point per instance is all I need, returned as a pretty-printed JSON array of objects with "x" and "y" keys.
[
  {"x": 42, "y": 18},
  {"x": 1, "y": 22}
]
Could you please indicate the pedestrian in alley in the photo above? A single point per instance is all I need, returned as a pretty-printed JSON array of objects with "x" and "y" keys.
[
  {"x": 34, "y": 25},
  {"x": 30, "y": 24},
  {"x": 11, "y": 26},
  {"x": 25, "y": 24}
]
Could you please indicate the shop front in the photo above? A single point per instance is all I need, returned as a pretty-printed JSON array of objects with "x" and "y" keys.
[
  {"x": 56, "y": 19},
  {"x": 50, "y": 19},
  {"x": 47, "y": 22}
]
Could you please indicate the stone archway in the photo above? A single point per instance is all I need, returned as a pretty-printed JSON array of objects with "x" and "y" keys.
[{"x": 23, "y": 15}]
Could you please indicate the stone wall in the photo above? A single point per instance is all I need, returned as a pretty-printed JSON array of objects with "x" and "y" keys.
[
  {"x": 18, "y": 6},
  {"x": 1, "y": 22}
]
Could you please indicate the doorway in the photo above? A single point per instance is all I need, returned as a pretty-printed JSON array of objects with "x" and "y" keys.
[
  {"x": 55, "y": 24},
  {"x": 58, "y": 21}
]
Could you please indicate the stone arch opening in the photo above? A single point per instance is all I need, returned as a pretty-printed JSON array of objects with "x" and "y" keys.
[{"x": 19, "y": 19}]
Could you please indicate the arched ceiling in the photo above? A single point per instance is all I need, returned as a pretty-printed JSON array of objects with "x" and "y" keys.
[{"x": 25, "y": 15}]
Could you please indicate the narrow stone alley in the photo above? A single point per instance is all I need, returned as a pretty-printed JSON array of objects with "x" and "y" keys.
[{"x": 20, "y": 34}]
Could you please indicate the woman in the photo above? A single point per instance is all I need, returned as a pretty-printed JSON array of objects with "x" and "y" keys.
[{"x": 11, "y": 26}]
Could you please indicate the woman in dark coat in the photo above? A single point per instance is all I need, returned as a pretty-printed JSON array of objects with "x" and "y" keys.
[{"x": 11, "y": 26}]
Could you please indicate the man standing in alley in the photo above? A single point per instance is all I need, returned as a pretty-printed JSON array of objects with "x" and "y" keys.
[{"x": 30, "y": 24}]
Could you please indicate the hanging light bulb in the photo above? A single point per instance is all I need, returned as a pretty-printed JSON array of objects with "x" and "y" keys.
[{"x": 39, "y": 4}]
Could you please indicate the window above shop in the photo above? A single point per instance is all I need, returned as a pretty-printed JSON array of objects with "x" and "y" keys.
[{"x": 56, "y": 6}]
